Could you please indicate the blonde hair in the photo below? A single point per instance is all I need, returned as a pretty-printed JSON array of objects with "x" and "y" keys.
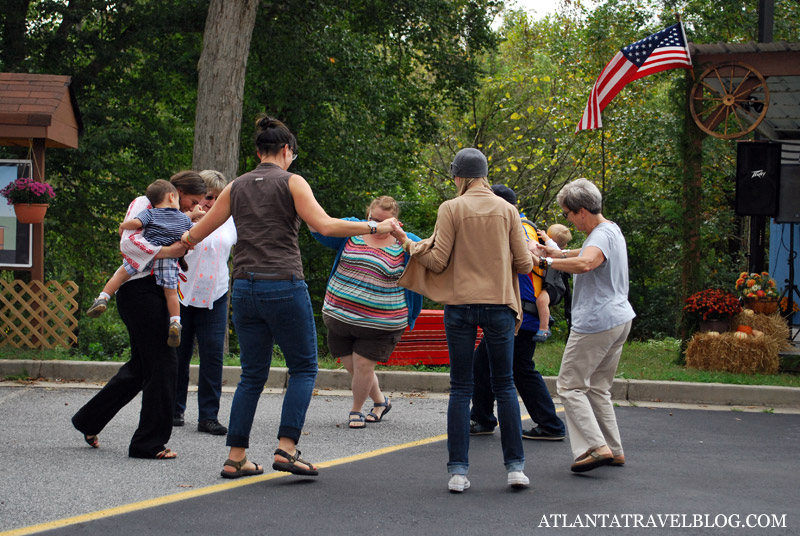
[
  {"x": 215, "y": 181},
  {"x": 466, "y": 184},
  {"x": 560, "y": 234},
  {"x": 386, "y": 203}
]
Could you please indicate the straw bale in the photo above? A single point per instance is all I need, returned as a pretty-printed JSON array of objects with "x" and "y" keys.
[
  {"x": 726, "y": 352},
  {"x": 773, "y": 325}
]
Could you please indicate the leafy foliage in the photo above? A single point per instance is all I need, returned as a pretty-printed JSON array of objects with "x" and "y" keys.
[{"x": 381, "y": 95}]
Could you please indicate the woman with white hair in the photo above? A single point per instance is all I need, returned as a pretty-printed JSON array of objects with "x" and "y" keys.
[{"x": 601, "y": 321}]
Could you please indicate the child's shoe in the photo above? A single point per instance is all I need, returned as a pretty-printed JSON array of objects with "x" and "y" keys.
[
  {"x": 174, "y": 339},
  {"x": 542, "y": 335},
  {"x": 98, "y": 307}
]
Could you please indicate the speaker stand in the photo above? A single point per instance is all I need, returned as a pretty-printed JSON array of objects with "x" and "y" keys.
[{"x": 791, "y": 289}]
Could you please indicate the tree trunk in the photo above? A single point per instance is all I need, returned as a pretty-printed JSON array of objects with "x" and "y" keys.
[
  {"x": 12, "y": 53},
  {"x": 220, "y": 85},
  {"x": 692, "y": 197}
]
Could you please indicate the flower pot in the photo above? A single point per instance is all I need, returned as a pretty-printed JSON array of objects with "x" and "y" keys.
[
  {"x": 766, "y": 306},
  {"x": 30, "y": 212},
  {"x": 720, "y": 325}
]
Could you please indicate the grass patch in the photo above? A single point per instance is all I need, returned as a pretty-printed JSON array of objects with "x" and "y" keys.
[{"x": 651, "y": 360}]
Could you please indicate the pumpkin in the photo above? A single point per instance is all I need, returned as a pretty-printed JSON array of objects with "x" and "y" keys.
[{"x": 740, "y": 335}]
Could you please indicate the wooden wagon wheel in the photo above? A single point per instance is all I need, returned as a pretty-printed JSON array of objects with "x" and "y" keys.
[{"x": 727, "y": 101}]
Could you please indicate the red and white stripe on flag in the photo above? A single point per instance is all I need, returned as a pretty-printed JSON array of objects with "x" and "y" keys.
[{"x": 661, "y": 51}]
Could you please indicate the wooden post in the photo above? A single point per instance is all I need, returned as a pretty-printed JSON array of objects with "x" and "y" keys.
[{"x": 37, "y": 267}]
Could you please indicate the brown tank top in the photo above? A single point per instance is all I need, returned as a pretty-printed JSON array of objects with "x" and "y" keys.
[{"x": 266, "y": 224}]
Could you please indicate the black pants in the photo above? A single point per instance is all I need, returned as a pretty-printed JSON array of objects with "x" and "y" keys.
[
  {"x": 151, "y": 370},
  {"x": 528, "y": 381}
]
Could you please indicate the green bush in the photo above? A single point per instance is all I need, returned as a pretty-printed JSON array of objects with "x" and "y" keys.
[{"x": 103, "y": 338}]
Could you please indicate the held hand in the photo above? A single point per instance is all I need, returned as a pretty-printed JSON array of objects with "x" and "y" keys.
[
  {"x": 387, "y": 225},
  {"x": 173, "y": 251},
  {"x": 551, "y": 251},
  {"x": 536, "y": 248},
  {"x": 398, "y": 233},
  {"x": 542, "y": 235}
]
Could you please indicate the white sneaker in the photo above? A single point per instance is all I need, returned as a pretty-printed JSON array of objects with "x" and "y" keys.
[
  {"x": 458, "y": 483},
  {"x": 517, "y": 479}
]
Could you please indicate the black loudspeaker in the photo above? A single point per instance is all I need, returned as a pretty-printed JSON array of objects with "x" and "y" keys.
[
  {"x": 789, "y": 204},
  {"x": 758, "y": 173}
]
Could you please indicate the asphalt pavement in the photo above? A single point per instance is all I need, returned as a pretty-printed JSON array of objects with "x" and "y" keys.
[{"x": 689, "y": 470}]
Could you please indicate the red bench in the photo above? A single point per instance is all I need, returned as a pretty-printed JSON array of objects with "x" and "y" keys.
[{"x": 426, "y": 344}]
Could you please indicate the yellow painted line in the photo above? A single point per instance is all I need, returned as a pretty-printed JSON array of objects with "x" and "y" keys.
[{"x": 208, "y": 490}]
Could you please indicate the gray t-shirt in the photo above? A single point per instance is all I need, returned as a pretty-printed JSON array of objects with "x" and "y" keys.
[{"x": 600, "y": 297}]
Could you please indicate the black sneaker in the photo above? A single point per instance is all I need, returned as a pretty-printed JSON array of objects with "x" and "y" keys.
[
  {"x": 177, "y": 419},
  {"x": 211, "y": 426},
  {"x": 538, "y": 433},
  {"x": 476, "y": 428}
]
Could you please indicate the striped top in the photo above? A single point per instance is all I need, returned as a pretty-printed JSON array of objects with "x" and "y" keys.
[
  {"x": 163, "y": 226},
  {"x": 363, "y": 291}
]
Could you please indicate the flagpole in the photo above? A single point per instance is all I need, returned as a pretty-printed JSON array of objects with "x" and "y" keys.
[{"x": 603, "y": 166}]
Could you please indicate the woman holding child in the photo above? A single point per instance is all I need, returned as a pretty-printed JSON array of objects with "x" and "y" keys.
[
  {"x": 151, "y": 369},
  {"x": 270, "y": 298}
]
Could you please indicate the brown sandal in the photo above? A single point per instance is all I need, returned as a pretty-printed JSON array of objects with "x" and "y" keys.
[
  {"x": 290, "y": 467},
  {"x": 591, "y": 460},
  {"x": 238, "y": 471},
  {"x": 166, "y": 454}
]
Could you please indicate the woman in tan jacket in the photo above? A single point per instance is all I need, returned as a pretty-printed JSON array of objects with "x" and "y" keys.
[{"x": 470, "y": 264}]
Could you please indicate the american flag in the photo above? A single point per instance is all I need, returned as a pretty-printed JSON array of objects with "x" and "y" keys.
[{"x": 664, "y": 50}]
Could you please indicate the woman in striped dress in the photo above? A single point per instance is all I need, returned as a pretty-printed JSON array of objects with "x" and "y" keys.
[{"x": 364, "y": 309}]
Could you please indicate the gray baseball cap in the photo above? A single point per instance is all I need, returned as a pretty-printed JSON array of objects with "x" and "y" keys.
[{"x": 469, "y": 163}]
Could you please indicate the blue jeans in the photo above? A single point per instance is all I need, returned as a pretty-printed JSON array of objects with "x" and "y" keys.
[
  {"x": 529, "y": 382},
  {"x": 461, "y": 327},
  {"x": 209, "y": 326},
  {"x": 267, "y": 312}
]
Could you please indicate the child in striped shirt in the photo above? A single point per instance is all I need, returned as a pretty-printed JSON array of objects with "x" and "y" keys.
[{"x": 161, "y": 225}]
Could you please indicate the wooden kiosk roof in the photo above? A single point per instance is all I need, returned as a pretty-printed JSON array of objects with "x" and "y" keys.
[{"x": 38, "y": 106}]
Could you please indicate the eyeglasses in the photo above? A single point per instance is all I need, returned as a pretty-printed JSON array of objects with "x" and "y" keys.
[
  {"x": 566, "y": 213},
  {"x": 294, "y": 152}
]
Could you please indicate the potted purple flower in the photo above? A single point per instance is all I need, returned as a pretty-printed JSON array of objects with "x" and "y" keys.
[{"x": 30, "y": 199}]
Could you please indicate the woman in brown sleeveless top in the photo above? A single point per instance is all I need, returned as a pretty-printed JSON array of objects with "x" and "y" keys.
[{"x": 270, "y": 299}]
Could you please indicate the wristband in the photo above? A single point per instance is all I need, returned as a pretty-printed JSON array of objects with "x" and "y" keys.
[
  {"x": 189, "y": 239},
  {"x": 406, "y": 244}
]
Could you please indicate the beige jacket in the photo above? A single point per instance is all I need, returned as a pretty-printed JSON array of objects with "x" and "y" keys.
[{"x": 476, "y": 250}]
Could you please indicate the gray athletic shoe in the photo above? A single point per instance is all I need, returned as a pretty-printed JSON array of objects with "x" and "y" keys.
[{"x": 98, "y": 307}]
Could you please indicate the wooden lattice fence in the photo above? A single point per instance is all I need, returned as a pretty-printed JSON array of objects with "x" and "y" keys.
[{"x": 38, "y": 315}]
